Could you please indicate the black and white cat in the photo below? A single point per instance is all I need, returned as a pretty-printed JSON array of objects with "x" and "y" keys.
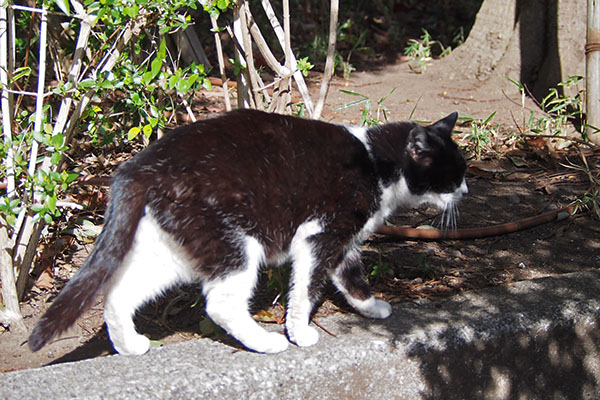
[{"x": 214, "y": 201}]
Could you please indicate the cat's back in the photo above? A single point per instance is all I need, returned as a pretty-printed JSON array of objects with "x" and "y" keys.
[{"x": 243, "y": 141}]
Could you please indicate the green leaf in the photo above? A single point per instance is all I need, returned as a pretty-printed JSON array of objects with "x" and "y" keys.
[
  {"x": 51, "y": 204},
  {"x": 132, "y": 11},
  {"x": 39, "y": 137},
  {"x": 183, "y": 86},
  {"x": 146, "y": 78},
  {"x": 162, "y": 49},
  {"x": 86, "y": 83},
  {"x": 57, "y": 140},
  {"x": 55, "y": 159},
  {"x": 223, "y": 4},
  {"x": 36, "y": 208},
  {"x": 147, "y": 130},
  {"x": 71, "y": 177},
  {"x": 63, "y": 5},
  {"x": 11, "y": 220},
  {"x": 156, "y": 66},
  {"x": 133, "y": 132}
]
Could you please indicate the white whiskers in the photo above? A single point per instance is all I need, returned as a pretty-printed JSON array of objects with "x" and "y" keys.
[{"x": 449, "y": 217}]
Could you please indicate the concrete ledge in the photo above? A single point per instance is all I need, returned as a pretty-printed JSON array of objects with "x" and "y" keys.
[{"x": 530, "y": 340}]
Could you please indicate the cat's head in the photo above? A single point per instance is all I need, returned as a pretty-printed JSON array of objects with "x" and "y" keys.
[{"x": 433, "y": 166}]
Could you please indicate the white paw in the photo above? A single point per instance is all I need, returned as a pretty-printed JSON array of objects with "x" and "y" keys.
[
  {"x": 303, "y": 336},
  {"x": 133, "y": 345},
  {"x": 376, "y": 309},
  {"x": 270, "y": 342}
]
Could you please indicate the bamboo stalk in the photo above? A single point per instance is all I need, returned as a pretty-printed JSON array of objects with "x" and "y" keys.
[
  {"x": 30, "y": 231},
  {"x": 593, "y": 71},
  {"x": 39, "y": 103}
]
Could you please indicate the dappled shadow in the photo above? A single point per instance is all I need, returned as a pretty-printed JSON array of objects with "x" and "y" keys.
[{"x": 538, "y": 339}]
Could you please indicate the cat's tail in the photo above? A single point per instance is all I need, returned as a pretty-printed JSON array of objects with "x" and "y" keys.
[{"x": 124, "y": 212}]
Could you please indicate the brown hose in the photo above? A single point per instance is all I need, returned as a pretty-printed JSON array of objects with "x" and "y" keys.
[{"x": 404, "y": 232}]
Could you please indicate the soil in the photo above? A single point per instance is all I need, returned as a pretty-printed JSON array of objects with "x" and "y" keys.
[{"x": 511, "y": 181}]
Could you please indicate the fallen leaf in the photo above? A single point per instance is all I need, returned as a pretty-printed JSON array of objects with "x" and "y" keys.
[{"x": 45, "y": 281}]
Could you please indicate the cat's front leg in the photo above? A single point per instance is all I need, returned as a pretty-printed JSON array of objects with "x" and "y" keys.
[{"x": 349, "y": 279}]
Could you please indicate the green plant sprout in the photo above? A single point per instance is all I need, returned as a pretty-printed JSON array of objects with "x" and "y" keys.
[
  {"x": 559, "y": 110},
  {"x": 367, "y": 118},
  {"x": 481, "y": 133},
  {"x": 420, "y": 50},
  {"x": 432, "y": 273},
  {"x": 279, "y": 281},
  {"x": 379, "y": 272}
]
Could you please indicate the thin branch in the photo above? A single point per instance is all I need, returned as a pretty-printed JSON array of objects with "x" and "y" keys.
[
  {"x": 330, "y": 61},
  {"x": 105, "y": 65},
  {"x": 6, "y": 101},
  {"x": 298, "y": 77},
  {"x": 11, "y": 316},
  {"x": 221, "y": 61},
  {"x": 245, "y": 99},
  {"x": 264, "y": 49},
  {"x": 74, "y": 73},
  {"x": 248, "y": 54}
]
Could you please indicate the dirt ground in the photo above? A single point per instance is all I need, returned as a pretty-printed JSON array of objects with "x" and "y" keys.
[{"x": 507, "y": 185}]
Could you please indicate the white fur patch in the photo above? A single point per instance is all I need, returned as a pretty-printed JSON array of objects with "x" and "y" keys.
[
  {"x": 392, "y": 196},
  {"x": 154, "y": 264},
  {"x": 442, "y": 200},
  {"x": 361, "y": 134},
  {"x": 299, "y": 304},
  {"x": 371, "y": 308},
  {"x": 227, "y": 301}
]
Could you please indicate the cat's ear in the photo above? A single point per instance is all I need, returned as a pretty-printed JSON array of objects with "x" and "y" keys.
[
  {"x": 445, "y": 125},
  {"x": 420, "y": 147}
]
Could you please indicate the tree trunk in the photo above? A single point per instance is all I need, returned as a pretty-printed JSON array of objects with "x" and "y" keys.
[{"x": 536, "y": 42}]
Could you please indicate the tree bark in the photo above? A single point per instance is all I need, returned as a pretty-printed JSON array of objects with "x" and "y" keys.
[{"x": 536, "y": 42}]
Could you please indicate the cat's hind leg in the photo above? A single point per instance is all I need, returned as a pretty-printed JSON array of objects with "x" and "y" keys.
[
  {"x": 349, "y": 279},
  {"x": 154, "y": 264},
  {"x": 304, "y": 284},
  {"x": 227, "y": 300}
]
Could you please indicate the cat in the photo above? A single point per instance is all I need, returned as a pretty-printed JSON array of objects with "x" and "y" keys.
[{"x": 216, "y": 200}]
